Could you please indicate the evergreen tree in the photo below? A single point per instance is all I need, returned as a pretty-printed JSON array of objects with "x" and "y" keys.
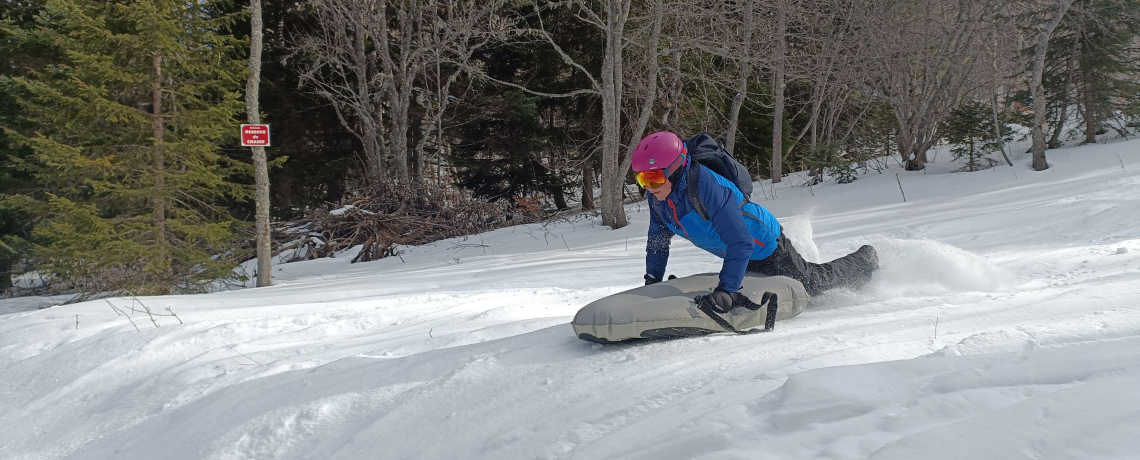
[
  {"x": 754, "y": 146},
  {"x": 970, "y": 131},
  {"x": 1108, "y": 63},
  {"x": 826, "y": 159},
  {"x": 500, "y": 156},
  {"x": 126, "y": 128},
  {"x": 510, "y": 144},
  {"x": 1092, "y": 65},
  {"x": 17, "y": 216},
  {"x": 18, "y": 211},
  {"x": 874, "y": 135}
]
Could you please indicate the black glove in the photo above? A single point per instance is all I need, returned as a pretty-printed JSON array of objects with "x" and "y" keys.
[
  {"x": 649, "y": 279},
  {"x": 721, "y": 301}
]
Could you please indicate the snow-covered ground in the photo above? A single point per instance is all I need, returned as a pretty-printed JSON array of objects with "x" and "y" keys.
[{"x": 1004, "y": 324}]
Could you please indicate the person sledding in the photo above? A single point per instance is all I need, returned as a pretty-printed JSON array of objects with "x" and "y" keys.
[{"x": 689, "y": 199}]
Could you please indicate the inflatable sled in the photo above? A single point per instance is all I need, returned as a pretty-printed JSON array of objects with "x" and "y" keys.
[{"x": 670, "y": 309}]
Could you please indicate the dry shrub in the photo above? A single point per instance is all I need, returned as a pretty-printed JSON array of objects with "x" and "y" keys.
[
  {"x": 389, "y": 215},
  {"x": 530, "y": 207}
]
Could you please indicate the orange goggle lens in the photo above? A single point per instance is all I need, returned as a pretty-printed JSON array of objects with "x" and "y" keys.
[{"x": 651, "y": 179}]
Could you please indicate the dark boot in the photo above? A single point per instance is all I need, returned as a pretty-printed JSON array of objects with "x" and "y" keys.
[
  {"x": 854, "y": 270},
  {"x": 850, "y": 271}
]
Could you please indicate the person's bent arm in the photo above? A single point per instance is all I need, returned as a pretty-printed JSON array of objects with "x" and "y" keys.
[{"x": 728, "y": 222}]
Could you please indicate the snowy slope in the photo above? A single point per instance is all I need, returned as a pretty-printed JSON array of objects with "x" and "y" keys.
[{"x": 1004, "y": 323}]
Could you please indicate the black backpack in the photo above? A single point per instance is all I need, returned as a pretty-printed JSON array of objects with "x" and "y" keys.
[{"x": 709, "y": 153}]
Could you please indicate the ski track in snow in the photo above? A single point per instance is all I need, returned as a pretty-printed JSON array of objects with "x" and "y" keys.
[{"x": 1004, "y": 323}]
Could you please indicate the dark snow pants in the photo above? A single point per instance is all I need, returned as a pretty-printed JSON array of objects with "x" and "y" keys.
[{"x": 850, "y": 271}]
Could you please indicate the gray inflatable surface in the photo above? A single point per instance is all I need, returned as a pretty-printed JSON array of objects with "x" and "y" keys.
[{"x": 667, "y": 309}]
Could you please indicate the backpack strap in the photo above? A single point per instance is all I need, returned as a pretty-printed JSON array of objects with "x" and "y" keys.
[{"x": 695, "y": 191}]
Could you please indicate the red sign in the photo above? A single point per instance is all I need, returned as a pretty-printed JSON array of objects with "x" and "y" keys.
[{"x": 255, "y": 135}]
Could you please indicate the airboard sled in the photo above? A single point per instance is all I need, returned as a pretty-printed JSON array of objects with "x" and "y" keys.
[{"x": 667, "y": 309}]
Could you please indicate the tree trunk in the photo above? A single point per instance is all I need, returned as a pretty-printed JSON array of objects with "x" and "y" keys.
[
  {"x": 162, "y": 257},
  {"x": 373, "y": 151},
  {"x": 778, "y": 94},
  {"x": 371, "y": 119},
  {"x": 400, "y": 103},
  {"x": 1055, "y": 141},
  {"x": 404, "y": 74},
  {"x": 399, "y": 135},
  {"x": 398, "y": 85},
  {"x": 745, "y": 64},
  {"x": 1089, "y": 104},
  {"x": 813, "y": 120},
  {"x": 972, "y": 162},
  {"x": 260, "y": 168},
  {"x": 613, "y": 178},
  {"x": 559, "y": 198},
  {"x": 5, "y": 274},
  {"x": 998, "y": 129},
  {"x": 1040, "y": 125},
  {"x": 913, "y": 145},
  {"x": 1000, "y": 136},
  {"x": 1089, "y": 90},
  {"x": 588, "y": 185}
]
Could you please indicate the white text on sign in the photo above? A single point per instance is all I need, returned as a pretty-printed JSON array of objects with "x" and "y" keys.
[{"x": 255, "y": 135}]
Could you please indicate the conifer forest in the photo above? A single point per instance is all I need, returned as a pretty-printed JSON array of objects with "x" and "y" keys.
[{"x": 400, "y": 122}]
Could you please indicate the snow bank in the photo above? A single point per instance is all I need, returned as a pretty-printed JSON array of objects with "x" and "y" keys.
[{"x": 1052, "y": 402}]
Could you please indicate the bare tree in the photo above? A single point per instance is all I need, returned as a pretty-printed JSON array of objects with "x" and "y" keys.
[
  {"x": 1040, "y": 125},
  {"x": 1005, "y": 63},
  {"x": 375, "y": 59},
  {"x": 826, "y": 47},
  {"x": 453, "y": 34},
  {"x": 648, "y": 90},
  {"x": 611, "y": 17},
  {"x": 923, "y": 57},
  {"x": 744, "y": 63},
  {"x": 402, "y": 50},
  {"x": 810, "y": 42},
  {"x": 792, "y": 41},
  {"x": 339, "y": 63},
  {"x": 778, "y": 70},
  {"x": 696, "y": 29}
]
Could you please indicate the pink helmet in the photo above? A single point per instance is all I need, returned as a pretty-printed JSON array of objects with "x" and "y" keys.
[{"x": 657, "y": 151}]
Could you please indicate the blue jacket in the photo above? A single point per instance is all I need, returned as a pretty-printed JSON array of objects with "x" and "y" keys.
[{"x": 737, "y": 230}]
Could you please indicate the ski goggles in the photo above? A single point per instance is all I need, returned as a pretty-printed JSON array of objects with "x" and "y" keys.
[
  {"x": 655, "y": 177},
  {"x": 651, "y": 179}
]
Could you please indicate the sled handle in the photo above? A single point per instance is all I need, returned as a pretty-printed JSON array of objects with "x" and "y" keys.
[{"x": 769, "y": 299}]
